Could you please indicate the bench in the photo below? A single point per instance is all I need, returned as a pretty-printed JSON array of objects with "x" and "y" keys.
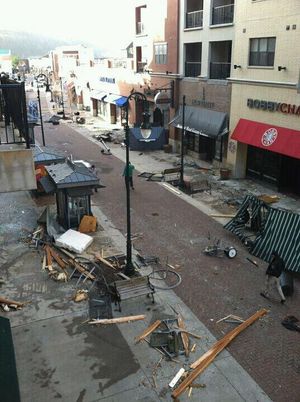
[
  {"x": 171, "y": 175},
  {"x": 200, "y": 185},
  {"x": 129, "y": 288}
]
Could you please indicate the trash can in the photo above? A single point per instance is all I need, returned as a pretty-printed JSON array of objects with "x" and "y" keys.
[{"x": 224, "y": 173}]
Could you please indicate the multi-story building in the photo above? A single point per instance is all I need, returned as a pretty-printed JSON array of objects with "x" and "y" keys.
[
  {"x": 5, "y": 61},
  {"x": 205, "y": 52},
  {"x": 265, "y": 101}
]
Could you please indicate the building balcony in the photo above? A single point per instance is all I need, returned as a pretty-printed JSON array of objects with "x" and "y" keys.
[
  {"x": 192, "y": 69},
  {"x": 194, "y": 19},
  {"x": 219, "y": 70},
  {"x": 222, "y": 14}
]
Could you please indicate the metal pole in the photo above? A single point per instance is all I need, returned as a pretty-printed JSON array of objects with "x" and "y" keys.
[
  {"x": 62, "y": 98},
  {"x": 129, "y": 268},
  {"x": 41, "y": 117},
  {"x": 182, "y": 144}
]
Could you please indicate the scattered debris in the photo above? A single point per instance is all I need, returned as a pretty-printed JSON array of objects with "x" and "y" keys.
[
  {"x": 148, "y": 331},
  {"x": 290, "y": 322},
  {"x": 252, "y": 261},
  {"x": 118, "y": 320},
  {"x": 74, "y": 241},
  {"x": 200, "y": 365},
  {"x": 80, "y": 295},
  {"x": 88, "y": 224},
  {"x": 6, "y": 304},
  {"x": 177, "y": 377},
  {"x": 233, "y": 317}
]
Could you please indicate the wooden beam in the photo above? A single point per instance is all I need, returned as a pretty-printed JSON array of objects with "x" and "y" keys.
[
  {"x": 118, "y": 320},
  {"x": 148, "y": 331},
  {"x": 57, "y": 258},
  {"x": 12, "y": 302},
  {"x": 200, "y": 365},
  {"x": 104, "y": 261},
  {"x": 184, "y": 336}
]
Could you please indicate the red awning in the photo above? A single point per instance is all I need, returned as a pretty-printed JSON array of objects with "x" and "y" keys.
[{"x": 266, "y": 136}]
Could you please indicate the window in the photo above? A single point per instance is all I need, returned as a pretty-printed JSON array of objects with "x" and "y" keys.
[
  {"x": 160, "y": 52},
  {"x": 262, "y": 52}
]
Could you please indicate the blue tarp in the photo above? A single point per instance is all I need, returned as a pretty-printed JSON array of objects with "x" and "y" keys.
[{"x": 155, "y": 141}]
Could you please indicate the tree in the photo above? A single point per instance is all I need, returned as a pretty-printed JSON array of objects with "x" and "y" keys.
[{"x": 15, "y": 61}]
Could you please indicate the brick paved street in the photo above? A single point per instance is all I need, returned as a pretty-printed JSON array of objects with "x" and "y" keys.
[{"x": 211, "y": 287}]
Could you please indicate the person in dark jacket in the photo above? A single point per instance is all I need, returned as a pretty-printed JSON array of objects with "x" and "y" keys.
[{"x": 273, "y": 272}]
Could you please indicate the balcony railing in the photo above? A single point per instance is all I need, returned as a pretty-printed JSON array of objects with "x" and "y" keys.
[
  {"x": 140, "y": 66},
  {"x": 223, "y": 14},
  {"x": 140, "y": 28},
  {"x": 192, "y": 69},
  {"x": 194, "y": 19},
  {"x": 219, "y": 70}
]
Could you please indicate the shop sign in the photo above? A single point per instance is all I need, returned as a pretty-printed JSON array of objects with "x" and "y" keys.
[
  {"x": 285, "y": 108},
  {"x": 162, "y": 100},
  {"x": 269, "y": 137},
  {"x": 109, "y": 80},
  {"x": 203, "y": 103}
]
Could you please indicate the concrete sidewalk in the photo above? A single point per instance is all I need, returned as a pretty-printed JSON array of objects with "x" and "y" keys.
[{"x": 59, "y": 358}]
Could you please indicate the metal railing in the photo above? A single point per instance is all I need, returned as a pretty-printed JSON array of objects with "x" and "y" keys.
[
  {"x": 13, "y": 113},
  {"x": 192, "y": 69},
  {"x": 194, "y": 19},
  {"x": 222, "y": 14},
  {"x": 219, "y": 70}
]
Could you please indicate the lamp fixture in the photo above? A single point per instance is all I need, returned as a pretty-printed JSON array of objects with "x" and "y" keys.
[
  {"x": 281, "y": 68},
  {"x": 235, "y": 66}
]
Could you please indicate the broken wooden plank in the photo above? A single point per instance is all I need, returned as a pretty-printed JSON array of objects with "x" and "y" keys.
[
  {"x": 57, "y": 258},
  {"x": 189, "y": 333},
  {"x": 118, "y": 320},
  {"x": 49, "y": 258},
  {"x": 148, "y": 331},
  {"x": 101, "y": 259},
  {"x": 200, "y": 365},
  {"x": 184, "y": 336},
  {"x": 9, "y": 302}
]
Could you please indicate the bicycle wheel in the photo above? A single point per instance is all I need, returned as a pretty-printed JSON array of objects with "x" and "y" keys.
[{"x": 164, "y": 279}]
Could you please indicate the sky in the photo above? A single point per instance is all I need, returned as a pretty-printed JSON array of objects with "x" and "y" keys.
[{"x": 107, "y": 23}]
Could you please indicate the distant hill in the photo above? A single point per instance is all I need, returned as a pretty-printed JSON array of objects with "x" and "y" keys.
[{"x": 27, "y": 44}]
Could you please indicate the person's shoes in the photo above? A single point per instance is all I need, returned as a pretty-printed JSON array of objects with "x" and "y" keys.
[
  {"x": 263, "y": 295},
  {"x": 282, "y": 301}
]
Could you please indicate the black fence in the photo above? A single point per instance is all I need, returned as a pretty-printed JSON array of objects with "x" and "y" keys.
[{"x": 13, "y": 113}]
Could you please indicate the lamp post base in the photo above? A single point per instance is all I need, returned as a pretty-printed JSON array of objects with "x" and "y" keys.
[{"x": 129, "y": 269}]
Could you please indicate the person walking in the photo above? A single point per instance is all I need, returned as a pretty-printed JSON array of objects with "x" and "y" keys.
[
  {"x": 273, "y": 272},
  {"x": 127, "y": 173},
  {"x": 95, "y": 172}
]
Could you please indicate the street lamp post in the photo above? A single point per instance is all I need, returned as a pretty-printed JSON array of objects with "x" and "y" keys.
[
  {"x": 39, "y": 100},
  {"x": 62, "y": 98},
  {"x": 41, "y": 117},
  {"x": 137, "y": 96},
  {"x": 181, "y": 180}
]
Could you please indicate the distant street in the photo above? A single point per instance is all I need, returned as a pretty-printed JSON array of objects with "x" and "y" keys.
[{"x": 212, "y": 287}]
